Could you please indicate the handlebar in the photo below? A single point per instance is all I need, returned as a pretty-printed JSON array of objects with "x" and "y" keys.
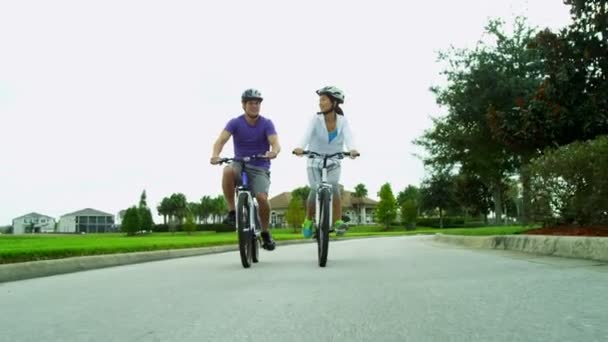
[
  {"x": 242, "y": 159},
  {"x": 328, "y": 156}
]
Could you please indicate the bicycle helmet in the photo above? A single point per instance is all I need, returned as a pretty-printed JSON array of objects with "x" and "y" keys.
[
  {"x": 251, "y": 94},
  {"x": 332, "y": 92}
]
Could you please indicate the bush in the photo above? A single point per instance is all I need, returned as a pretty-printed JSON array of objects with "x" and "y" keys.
[
  {"x": 213, "y": 227},
  {"x": 568, "y": 185},
  {"x": 131, "y": 221},
  {"x": 409, "y": 213},
  {"x": 449, "y": 222}
]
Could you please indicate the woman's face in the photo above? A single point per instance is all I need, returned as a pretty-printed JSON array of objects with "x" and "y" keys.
[{"x": 325, "y": 103}]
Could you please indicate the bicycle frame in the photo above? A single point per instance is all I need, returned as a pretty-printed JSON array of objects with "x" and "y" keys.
[{"x": 252, "y": 202}]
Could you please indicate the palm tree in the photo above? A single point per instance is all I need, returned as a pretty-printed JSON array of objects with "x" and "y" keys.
[
  {"x": 164, "y": 208},
  {"x": 179, "y": 206},
  {"x": 360, "y": 193},
  {"x": 206, "y": 208}
]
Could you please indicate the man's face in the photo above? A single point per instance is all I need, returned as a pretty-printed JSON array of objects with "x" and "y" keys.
[{"x": 252, "y": 108}]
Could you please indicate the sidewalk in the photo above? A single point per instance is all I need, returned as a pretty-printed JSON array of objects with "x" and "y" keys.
[{"x": 592, "y": 248}]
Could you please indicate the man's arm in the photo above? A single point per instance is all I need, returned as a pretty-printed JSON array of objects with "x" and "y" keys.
[
  {"x": 275, "y": 147},
  {"x": 219, "y": 145}
]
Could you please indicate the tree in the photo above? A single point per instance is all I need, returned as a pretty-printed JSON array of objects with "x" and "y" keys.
[
  {"x": 219, "y": 208},
  {"x": 131, "y": 223},
  {"x": 568, "y": 104},
  {"x": 206, "y": 208},
  {"x": 492, "y": 77},
  {"x": 437, "y": 193},
  {"x": 359, "y": 194},
  {"x": 409, "y": 213},
  {"x": 145, "y": 215},
  {"x": 179, "y": 206},
  {"x": 189, "y": 226},
  {"x": 194, "y": 208},
  {"x": 145, "y": 219},
  {"x": 472, "y": 195},
  {"x": 301, "y": 193},
  {"x": 386, "y": 212},
  {"x": 411, "y": 192},
  {"x": 143, "y": 200},
  {"x": 164, "y": 209},
  {"x": 295, "y": 212}
]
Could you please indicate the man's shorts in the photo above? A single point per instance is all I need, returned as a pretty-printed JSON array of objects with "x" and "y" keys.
[{"x": 258, "y": 179}]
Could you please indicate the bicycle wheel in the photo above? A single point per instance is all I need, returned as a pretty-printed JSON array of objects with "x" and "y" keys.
[
  {"x": 255, "y": 243},
  {"x": 244, "y": 230},
  {"x": 324, "y": 225}
]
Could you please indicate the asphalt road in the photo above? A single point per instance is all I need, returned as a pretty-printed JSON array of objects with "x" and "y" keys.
[{"x": 380, "y": 289}]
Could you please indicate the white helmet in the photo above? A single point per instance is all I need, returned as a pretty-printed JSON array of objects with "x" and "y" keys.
[
  {"x": 252, "y": 94},
  {"x": 332, "y": 92}
]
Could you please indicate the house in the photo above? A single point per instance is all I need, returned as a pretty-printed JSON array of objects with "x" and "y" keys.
[
  {"x": 33, "y": 223},
  {"x": 86, "y": 221},
  {"x": 359, "y": 211}
]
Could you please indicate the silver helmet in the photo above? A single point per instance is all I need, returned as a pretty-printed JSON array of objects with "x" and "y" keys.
[
  {"x": 332, "y": 92},
  {"x": 252, "y": 94}
]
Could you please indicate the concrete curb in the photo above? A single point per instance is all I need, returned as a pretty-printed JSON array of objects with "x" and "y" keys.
[
  {"x": 43, "y": 268},
  {"x": 592, "y": 248}
]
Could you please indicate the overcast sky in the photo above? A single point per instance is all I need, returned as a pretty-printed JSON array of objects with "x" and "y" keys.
[{"x": 100, "y": 100}]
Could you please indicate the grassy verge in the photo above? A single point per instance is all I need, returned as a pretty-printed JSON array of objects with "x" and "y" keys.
[{"x": 20, "y": 248}]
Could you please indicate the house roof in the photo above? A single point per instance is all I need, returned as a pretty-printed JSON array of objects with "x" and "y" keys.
[
  {"x": 88, "y": 212},
  {"x": 36, "y": 215},
  {"x": 281, "y": 201}
]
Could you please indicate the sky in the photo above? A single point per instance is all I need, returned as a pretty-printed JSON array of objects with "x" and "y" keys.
[{"x": 100, "y": 100}]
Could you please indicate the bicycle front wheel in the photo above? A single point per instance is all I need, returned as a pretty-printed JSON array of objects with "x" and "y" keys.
[
  {"x": 324, "y": 226},
  {"x": 244, "y": 231}
]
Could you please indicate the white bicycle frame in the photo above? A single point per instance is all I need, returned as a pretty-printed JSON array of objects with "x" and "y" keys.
[
  {"x": 324, "y": 185},
  {"x": 252, "y": 202}
]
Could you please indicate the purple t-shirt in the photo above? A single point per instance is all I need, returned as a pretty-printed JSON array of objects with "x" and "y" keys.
[{"x": 251, "y": 140}]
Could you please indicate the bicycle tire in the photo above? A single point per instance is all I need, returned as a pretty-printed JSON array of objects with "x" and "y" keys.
[
  {"x": 244, "y": 233},
  {"x": 324, "y": 226}
]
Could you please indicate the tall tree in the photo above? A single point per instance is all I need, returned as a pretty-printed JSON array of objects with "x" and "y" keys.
[
  {"x": 438, "y": 193},
  {"x": 360, "y": 194},
  {"x": 386, "y": 212},
  {"x": 145, "y": 215},
  {"x": 295, "y": 212},
  {"x": 492, "y": 76}
]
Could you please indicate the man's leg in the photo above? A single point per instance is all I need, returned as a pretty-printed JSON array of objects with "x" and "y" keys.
[
  {"x": 228, "y": 184},
  {"x": 230, "y": 177},
  {"x": 264, "y": 207},
  {"x": 259, "y": 181}
]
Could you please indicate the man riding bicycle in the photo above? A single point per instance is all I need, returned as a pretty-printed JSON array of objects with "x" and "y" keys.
[{"x": 252, "y": 134}]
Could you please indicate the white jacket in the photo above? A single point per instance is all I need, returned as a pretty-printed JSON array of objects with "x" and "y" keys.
[{"x": 316, "y": 137}]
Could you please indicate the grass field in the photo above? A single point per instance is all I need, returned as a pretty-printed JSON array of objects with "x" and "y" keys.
[{"x": 20, "y": 248}]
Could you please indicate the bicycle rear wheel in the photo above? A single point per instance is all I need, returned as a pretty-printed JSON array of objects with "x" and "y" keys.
[
  {"x": 324, "y": 226},
  {"x": 245, "y": 233}
]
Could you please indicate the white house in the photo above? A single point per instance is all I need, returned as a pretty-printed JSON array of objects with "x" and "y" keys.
[
  {"x": 33, "y": 223},
  {"x": 86, "y": 221}
]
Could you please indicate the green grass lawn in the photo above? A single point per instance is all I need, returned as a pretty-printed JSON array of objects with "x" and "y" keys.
[{"x": 19, "y": 248}]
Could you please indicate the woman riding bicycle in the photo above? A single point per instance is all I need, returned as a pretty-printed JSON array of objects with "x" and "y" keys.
[{"x": 327, "y": 133}]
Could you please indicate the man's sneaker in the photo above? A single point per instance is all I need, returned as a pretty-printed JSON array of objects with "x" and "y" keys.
[
  {"x": 231, "y": 218},
  {"x": 307, "y": 228},
  {"x": 267, "y": 241},
  {"x": 340, "y": 227}
]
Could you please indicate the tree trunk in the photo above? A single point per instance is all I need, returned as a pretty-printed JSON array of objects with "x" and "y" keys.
[
  {"x": 440, "y": 218},
  {"x": 525, "y": 181},
  {"x": 497, "y": 204}
]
